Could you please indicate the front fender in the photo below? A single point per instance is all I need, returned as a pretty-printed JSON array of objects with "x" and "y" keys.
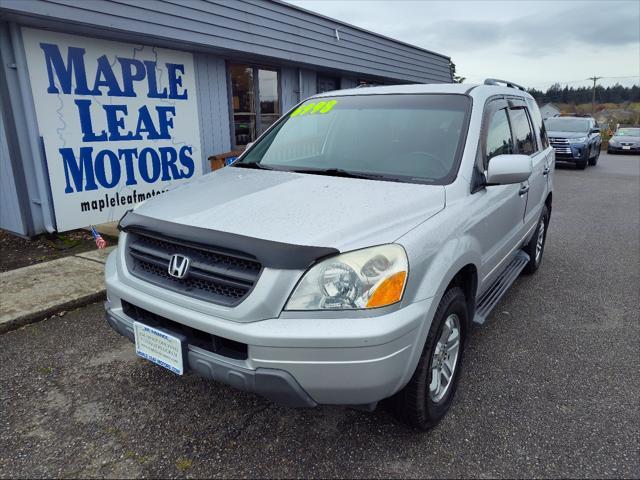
[{"x": 437, "y": 252}]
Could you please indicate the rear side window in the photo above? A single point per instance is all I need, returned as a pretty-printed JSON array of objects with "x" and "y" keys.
[
  {"x": 536, "y": 117},
  {"x": 525, "y": 143},
  {"x": 499, "y": 140}
]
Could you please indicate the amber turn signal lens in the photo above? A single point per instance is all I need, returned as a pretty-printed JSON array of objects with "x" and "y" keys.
[{"x": 389, "y": 291}]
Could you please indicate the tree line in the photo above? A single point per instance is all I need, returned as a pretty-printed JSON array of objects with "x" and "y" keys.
[{"x": 613, "y": 94}]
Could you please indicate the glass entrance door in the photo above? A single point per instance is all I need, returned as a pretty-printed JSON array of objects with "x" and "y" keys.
[{"x": 255, "y": 101}]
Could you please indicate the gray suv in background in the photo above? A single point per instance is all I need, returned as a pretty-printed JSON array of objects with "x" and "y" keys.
[
  {"x": 575, "y": 139},
  {"x": 344, "y": 258}
]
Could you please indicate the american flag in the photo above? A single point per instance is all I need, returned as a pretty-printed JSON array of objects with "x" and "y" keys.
[{"x": 100, "y": 242}]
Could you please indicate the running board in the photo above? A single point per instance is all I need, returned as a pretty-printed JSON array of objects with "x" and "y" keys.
[{"x": 489, "y": 299}]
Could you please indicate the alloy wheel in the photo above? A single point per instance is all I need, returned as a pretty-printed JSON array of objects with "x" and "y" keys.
[
  {"x": 444, "y": 360},
  {"x": 540, "y": 240}
]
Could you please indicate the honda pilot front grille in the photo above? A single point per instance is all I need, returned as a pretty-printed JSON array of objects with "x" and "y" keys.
[{"x": 218, "y": 276}]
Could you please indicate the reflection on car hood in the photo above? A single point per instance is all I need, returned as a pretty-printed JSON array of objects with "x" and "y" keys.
[
  {"x": 301, "y": 209},
  {"x": 559, "y": 134}
]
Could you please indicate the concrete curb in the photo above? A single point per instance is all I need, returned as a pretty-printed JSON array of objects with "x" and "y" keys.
[{"x": 32, "y": 293}]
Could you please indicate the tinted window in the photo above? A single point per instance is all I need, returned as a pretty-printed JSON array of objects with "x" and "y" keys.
[
  {"x": 404, "y": 137},
  {"x": 525, "y": 143},
  {"x": 499, "y": 140},
  {"x": 536, "y": 117}
]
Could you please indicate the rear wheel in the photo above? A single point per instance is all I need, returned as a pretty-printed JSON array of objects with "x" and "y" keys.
[{"x": 427, "y": 397}]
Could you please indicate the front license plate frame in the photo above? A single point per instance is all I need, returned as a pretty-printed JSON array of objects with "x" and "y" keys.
[{"x": 162, "y": 348}]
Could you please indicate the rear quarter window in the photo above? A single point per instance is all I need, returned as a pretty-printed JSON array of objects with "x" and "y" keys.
[
  {"x": 522, "y": 132},
  {"x": 499, "y": 139},
  {"x": 536, "y": 118}
]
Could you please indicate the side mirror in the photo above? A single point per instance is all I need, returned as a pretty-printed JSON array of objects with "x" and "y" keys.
[
  {"x": 508, "y": 169},
  {"x": 248, "y": 146},
  {"x": 594, "y": 130}
]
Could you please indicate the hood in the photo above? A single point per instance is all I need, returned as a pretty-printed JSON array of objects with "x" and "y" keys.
[
  {"x": 300, "y": 209},
  {"x": 560, "y": 134},
  {"x": 625, "y": 138}
]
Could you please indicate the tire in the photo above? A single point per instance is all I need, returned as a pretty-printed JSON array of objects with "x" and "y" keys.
[
  {"x": 416, "y": 405},
  {"x": 594, "y": 161},
  {"x": 535, "y": 255},
  {"x": 581, "y": 165}
]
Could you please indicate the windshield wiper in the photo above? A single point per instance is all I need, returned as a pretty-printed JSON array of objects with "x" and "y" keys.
[{"x": 339, "y": 172}]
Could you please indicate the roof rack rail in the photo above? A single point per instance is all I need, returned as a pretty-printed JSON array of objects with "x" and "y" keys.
[{"x": 497, "y": 81}]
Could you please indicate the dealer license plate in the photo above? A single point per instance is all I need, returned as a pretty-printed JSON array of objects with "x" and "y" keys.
[
  {"x": 159, "y": 347},
  {"x": 624, "y": 147}
]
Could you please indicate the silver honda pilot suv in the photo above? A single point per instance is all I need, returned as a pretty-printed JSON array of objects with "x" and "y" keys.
[{"x": 345, "y": 256}]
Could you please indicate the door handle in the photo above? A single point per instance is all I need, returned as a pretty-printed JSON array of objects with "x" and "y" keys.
[
  {"x": 546, "y": 170},
  {"x": 524, "y": 188}
]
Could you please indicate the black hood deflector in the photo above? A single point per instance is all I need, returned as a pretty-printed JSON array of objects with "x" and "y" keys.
[{"x": 269, "y": 253}]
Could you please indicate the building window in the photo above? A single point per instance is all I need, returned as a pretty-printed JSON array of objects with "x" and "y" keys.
[
  {"x": 327, "y": 84},
  {"x": 362, "y": 82},
  {"x": 255, "y": 101}
]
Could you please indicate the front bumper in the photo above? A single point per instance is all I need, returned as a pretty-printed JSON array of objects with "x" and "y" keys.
[
  {"x": 620, "y": 149},
  {"x": 573, "y": 152},
  {"x": 296, "y": 359}
]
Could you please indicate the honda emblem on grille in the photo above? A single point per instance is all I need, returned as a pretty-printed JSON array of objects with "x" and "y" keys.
[{"x": 179, "y": 266}]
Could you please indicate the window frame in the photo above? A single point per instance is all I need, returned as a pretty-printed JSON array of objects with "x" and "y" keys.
[{"x": 255, "y": 67}]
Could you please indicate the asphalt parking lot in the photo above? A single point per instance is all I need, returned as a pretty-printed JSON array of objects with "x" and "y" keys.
[{"x": 550, "y": 387}]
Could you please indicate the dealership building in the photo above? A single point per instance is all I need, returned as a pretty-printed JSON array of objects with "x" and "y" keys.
[{"x": 105, "y": 103}]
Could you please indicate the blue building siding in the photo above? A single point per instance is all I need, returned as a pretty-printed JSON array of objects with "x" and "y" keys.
[
  {"x": 253, "y": 28},
  {"x": 213, "y": 106},
  {"x": 10, "y": 211},
  {"x": 289, "y": 87},
  {"x": 308, "y": 84}
]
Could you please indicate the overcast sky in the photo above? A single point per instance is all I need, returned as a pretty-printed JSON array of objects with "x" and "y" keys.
[{"x": 535, "y": 43}]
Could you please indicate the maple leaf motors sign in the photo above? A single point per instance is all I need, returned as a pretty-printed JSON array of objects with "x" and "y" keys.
[{"x": 119, "y": 122}]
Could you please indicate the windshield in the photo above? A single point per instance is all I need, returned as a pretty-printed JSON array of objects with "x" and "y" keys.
[
  {"x": 628, "y": 132},
  {"x": 414, "y": 138},
  {"x": 559, "y": 124}
]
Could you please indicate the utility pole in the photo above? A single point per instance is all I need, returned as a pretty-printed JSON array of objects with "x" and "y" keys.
[{"x": 593, "y": 94}]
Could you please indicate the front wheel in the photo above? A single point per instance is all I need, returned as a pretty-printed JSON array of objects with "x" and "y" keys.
[
  {"x": 535, "y": 247},
  {"x": 581, "y": 165},
  {"x": 594, "y": 161},
  {"x": 427, "y": 397}
]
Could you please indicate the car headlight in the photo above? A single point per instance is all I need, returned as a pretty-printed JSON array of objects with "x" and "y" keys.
[
  {"x": 613, "y": 141},
  {"x": 578, "y": 140},
  {"x": 368, "y": 278}
]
